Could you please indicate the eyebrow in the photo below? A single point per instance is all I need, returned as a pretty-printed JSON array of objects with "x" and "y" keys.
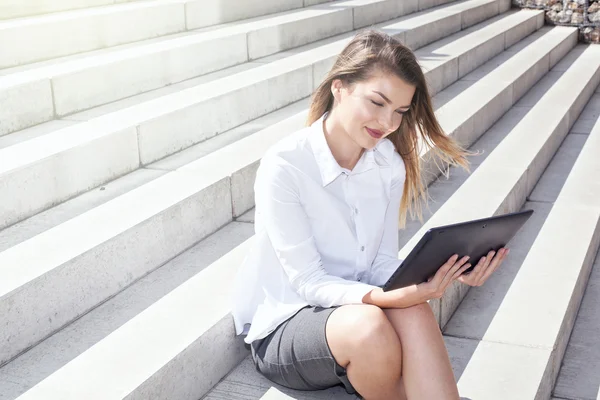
[{"x": 388, "y": 100}]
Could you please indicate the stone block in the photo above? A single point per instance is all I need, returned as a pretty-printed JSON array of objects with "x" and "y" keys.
[
  {"x": 24, "y": 104},
  {"x": 25, "y": 41},
  {"x": 35, "y": 186},
  {"x": 200, "y": 13},
  {"x": 250, "y": 94},
  {"x": 371, "y": 13},
  {"x": 289, "y": 33},
  {"x": 15, "y": 8},
  {"x": 475, "y": 15},
  {"x": 242, "y": 189},
  {"x": 133, "y": 71},
  {"x": 167, "y": 349},
  {"x": 520, "y": 31},
  {"x": 55, "y": 289}
]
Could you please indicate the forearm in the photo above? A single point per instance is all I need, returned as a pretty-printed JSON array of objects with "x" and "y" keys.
[{"x": 397, "y": 298}]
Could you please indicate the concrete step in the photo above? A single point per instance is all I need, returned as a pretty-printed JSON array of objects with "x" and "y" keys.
[
  {"x": 579, "y": 376},
  {"x": 10, "y": 9},
  {"x": 132, "y": 309},
  {"x": 19, "y": 8},
  {"x": 214, "y": 11},
  {"x": 44, "y": 37},
  {"x": 63, "y": 87},
  {"x": 160, "y": 369},
  {"x": 517, "y": 326},
  {"x": 228, "y": 188},
  {"x": 37, "y": 164},
  {"x": 72, "y": 84},
  {"x": 30, "y": 39},
  {"x": 100, "y": 263},
  {"x": 452, "y": 201}
]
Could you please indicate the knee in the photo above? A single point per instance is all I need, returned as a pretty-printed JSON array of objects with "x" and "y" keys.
[
  {"x": 370, "y": 329},
  {"x": 419, "y": 316},
  {"x": 369, "y": 323}
]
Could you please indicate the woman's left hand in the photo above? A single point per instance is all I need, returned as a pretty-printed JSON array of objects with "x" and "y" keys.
[{"x": 484, "y": 268}]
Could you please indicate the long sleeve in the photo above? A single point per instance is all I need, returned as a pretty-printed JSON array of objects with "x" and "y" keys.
[
  {"x": 386, "y": 261},
  {"x": 288, "y": 228}
]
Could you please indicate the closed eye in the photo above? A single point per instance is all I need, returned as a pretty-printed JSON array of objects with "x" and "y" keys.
[{"x": 381, "y": 105}]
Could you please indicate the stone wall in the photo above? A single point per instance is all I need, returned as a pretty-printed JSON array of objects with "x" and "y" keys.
[{"x": 584, "y": 14}]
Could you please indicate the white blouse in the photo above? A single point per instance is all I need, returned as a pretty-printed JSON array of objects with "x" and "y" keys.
[{"x": 325, "y": 235}]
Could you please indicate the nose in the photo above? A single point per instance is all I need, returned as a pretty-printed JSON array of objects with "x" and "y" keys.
[{"x": 386, "y": 121}]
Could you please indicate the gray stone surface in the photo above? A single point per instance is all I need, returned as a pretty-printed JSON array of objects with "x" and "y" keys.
[
  {"x": 63, "y": 212},
  {"x": 53, "y": 353},
  {"x": 372, "y": 13},
  {"x": 555, "y": 175},
  {"x": 485, "y": 10},
  {"x": 247, "y": 217},
  {"x": 152, "y": 341},
  {"x": 515, "y": 35},
  {"x": 418, "y": 34},
  {"x": 290, "y": 33},
  {"x": 579, "y": 376},
  {"x": 33, "y": 132},
  {"x": 588, "y": 117},
  {"x": 202, "y": 13},
  {"x": 176, "y": 122},
  {"x": 474, "y": 46},
  {"x": 495, "y": 371},
  {"x": 242, "y": 189},
  {"x": 18, "y": 9},
  {"x": 86, "y": 30},
  {"x": 245, "y": 383},
  {"x": 116, "y": 74},
  {"x": 11, "y": 388},
  {"x": 424, "y": 4},
  {"x": 24, "y": 104},
  {"x": 158, "y": 93},
  {"x": 309, "y": 3},
  {"x": 213, "y": 144},
  {"x": 36, "y": 182},
  {"x": 142, "y": 235}
]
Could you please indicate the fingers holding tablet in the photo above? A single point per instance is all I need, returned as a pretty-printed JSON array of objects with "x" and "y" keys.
[
  {"x": 448, "y": 272},
  {"x": 484, "y": 268}
]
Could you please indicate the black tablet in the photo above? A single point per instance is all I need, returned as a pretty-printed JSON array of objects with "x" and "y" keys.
[{"x": 472, "y": 238}]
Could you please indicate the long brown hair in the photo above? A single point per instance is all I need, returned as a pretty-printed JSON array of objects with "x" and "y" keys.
[{"x": 369, "y": 52}]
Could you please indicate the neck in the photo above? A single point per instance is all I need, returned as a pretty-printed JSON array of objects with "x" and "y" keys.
[{"x": 345, "y": 150}]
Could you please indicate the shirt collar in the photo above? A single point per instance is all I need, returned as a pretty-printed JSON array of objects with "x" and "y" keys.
[{"x": 380, "y": 156}]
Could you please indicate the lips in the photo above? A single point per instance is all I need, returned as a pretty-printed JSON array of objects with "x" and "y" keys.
[{"x": 375, "y": 133}]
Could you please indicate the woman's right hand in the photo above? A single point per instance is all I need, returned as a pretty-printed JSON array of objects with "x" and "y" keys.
[
  {"x": 435, "y": 287},
  {"x": 412, "y": 295}
]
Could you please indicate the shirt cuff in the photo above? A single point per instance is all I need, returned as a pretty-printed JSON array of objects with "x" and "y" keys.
[{"x": 356, "y": 293}]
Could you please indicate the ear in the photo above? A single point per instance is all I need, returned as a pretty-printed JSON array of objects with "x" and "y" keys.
[{"x": 336, "y": 89}]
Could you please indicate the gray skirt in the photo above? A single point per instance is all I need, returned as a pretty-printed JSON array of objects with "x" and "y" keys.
[{"x": 296, "y": 355}]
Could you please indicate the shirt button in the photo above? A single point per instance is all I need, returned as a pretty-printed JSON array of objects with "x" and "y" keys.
[{"x": 362, "y": 248}]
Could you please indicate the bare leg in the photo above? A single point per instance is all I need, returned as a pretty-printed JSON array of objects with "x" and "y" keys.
[
  {"x": 363, "y": 340},
  {"x": 426, "y": 369}
]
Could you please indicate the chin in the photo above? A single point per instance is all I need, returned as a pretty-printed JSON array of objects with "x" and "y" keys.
[{"x": 370, "y": 144}]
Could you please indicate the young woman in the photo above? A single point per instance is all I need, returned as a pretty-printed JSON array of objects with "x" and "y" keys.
[{"x": 329, "y": 201}]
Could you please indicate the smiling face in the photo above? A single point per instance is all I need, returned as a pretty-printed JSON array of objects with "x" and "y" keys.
[{"x": 372, "y": 109}]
